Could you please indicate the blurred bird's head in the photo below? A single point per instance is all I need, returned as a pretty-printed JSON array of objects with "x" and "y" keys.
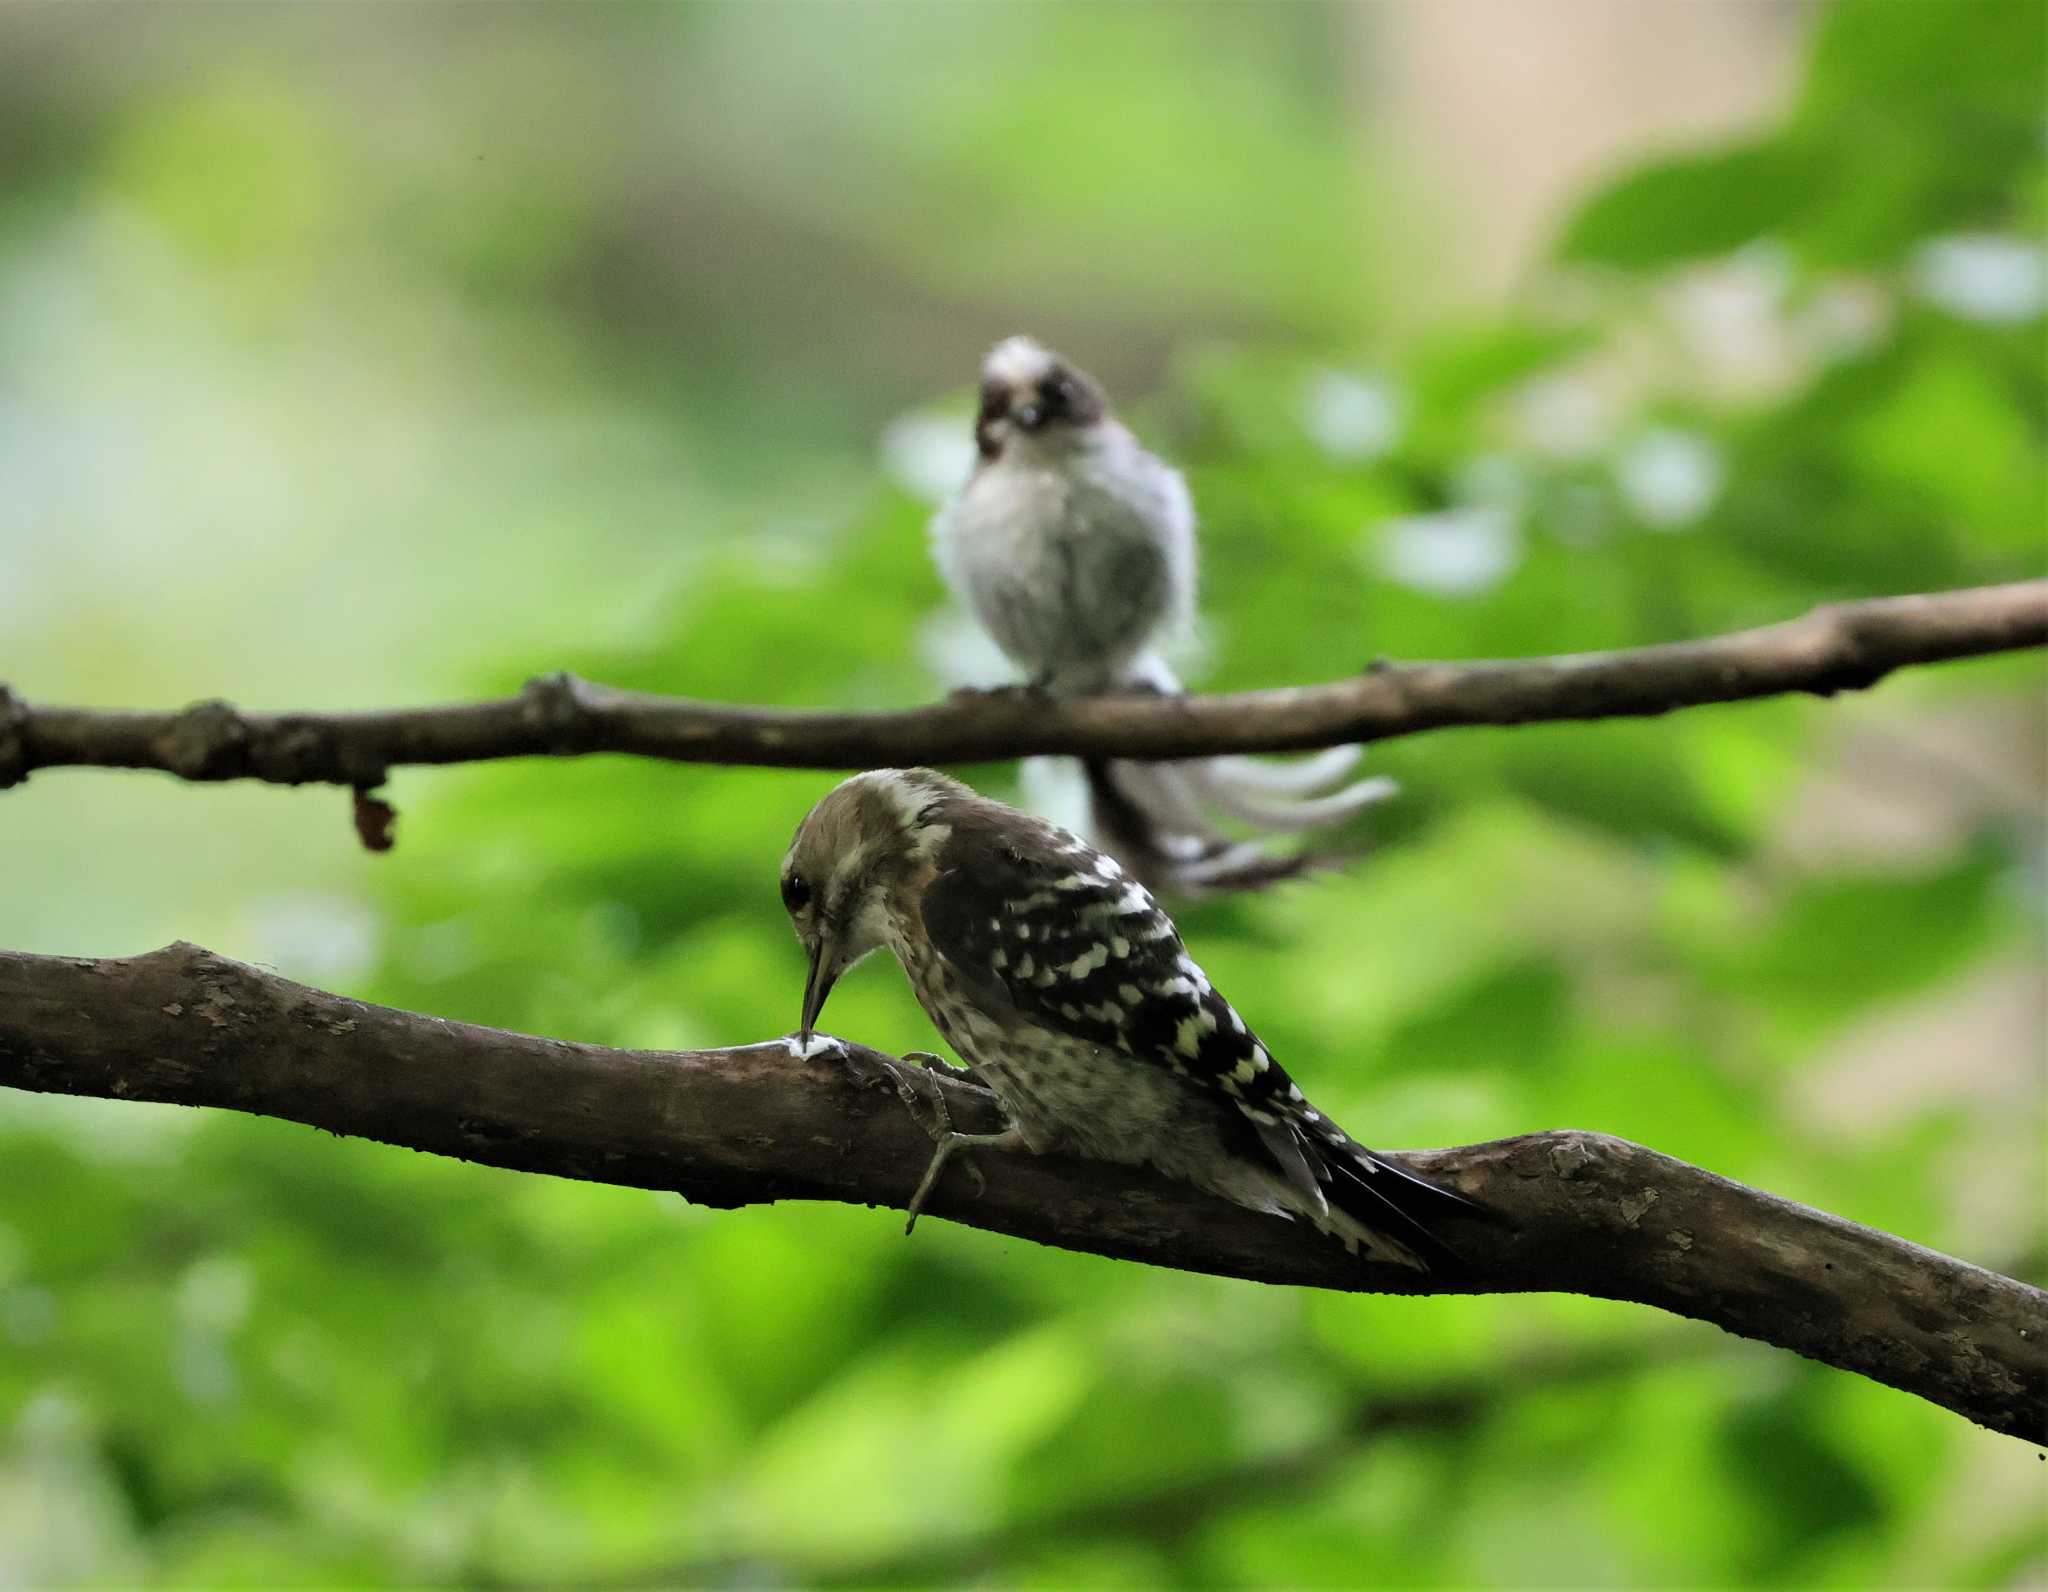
[
  {"x": 1033, "y": 398},
  {"x": 871, "y": 833}
]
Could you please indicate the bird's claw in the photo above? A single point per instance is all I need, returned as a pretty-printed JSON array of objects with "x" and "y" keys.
[
  {"x": 926, "y": 1096},
  {"x": 931, "y": 1177},
  {"x": 1036, "y": 690},
  {"x": 924, "y": 1099}
]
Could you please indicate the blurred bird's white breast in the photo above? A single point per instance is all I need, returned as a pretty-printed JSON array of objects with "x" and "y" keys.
[{"x": 1073, "y": 562}]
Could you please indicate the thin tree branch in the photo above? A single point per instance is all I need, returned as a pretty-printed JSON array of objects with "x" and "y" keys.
[
  {"x": 1839, "y": 647},
  {"x": 1576, "y": 1212}
]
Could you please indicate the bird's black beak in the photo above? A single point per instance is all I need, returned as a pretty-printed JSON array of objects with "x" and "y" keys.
[
  {"x": 816, "y": 987},
  {"x": 1029, "y": 416}
]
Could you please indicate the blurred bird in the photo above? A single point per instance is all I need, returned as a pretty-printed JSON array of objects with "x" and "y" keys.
[
  {"x": 1068, "y": 991},
  {"x": 1075, "y": 549}
]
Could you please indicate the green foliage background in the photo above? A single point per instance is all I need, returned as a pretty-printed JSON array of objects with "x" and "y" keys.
[{"x": 345, "y": 362}]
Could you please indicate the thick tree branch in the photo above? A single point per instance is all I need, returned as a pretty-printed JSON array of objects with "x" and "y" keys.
[
  {"x": 1582, "y": 1213},
  {"x": 1840, "y": 647}
]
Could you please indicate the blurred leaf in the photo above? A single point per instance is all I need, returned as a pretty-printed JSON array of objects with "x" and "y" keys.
[
  {"x": 1950, "y": 433},
  {"x": 570, "y": 351},
  {"x": 1838, "y": 944},
  {"x": 1805, "y": 1488},
  {"x": 1693, "y": 206}
]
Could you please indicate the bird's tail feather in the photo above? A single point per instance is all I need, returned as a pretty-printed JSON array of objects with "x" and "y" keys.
[
  {"x": 1162, "y": 821},
  {"x": 1385, "y": 1197},
  {"x": 1227, "y": 789},
  {"x": 1371, "y": 1201},
  {"x": 1308, "y": 776},
  {"x": 1163, "y": 796},
  {"x": 1144, "y": 815}
]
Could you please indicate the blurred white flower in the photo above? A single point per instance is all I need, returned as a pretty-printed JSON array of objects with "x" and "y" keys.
[
  {"x": 17, "y": 584},
  {"x": 213, "y": 1300},
  {"x": 51, "y": 1417},
  {"x": 1846, "y": 318},
  {"x": 1563, "y": 416},
  {"x": 1496, "y": 480},
  {"x": 31, "y": 511},
  {"x": 1730, "y": 318},
  {"x": 1668, "y": 477},
  {"x": 323, "y": 939},
  {"x": 1983, "y": 276},
  {"x": 1351, "y": 417},
  {"x": 215, "y": 1293},
  {"x": 927, "y": 454},
  {"x": 1456, "y": 553},
  {"x": 442, "y": 950}
]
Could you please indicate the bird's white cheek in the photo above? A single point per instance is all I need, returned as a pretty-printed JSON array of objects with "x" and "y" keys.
[{"x": 866, "y": 932}]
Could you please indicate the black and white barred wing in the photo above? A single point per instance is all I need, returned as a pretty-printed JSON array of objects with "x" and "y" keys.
[
  {"x": 1039, "y": 925},
  {"x": 1035, "y": 921}
]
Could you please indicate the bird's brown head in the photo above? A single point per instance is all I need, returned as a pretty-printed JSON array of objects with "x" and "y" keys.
[{"x": 867, "y": 835}]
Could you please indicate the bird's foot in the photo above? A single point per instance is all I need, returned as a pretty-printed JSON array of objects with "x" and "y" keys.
[
  {"x": 924, "y": 1097},
  {"x": 921, "y": 1095},
  {"x": 950, "y": 1144},
  {"x": 1036, "y": 689},
  {"x": 1141, "y": 688}
]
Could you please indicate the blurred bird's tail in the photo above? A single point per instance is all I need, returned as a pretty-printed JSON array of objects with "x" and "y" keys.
[{"x": 1164, "y": 820}]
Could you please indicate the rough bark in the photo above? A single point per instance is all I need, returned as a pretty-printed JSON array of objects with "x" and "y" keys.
[
  {"x": 1574, "y": 1212},
  {"x": 1840, "y": 647}
]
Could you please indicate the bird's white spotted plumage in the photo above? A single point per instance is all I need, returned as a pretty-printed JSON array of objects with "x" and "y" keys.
[{"x": 1066, "y": 988}]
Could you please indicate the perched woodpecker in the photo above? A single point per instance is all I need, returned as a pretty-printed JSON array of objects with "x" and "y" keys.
[
  {"x": 1069, "y": 993},
  {"x": 1075, "y": 548}
]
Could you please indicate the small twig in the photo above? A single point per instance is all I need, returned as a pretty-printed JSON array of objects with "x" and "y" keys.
[{"x": 375, "y": 820}]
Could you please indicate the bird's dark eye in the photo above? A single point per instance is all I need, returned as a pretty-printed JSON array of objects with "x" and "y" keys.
[{"x": 796, "y": 892}]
